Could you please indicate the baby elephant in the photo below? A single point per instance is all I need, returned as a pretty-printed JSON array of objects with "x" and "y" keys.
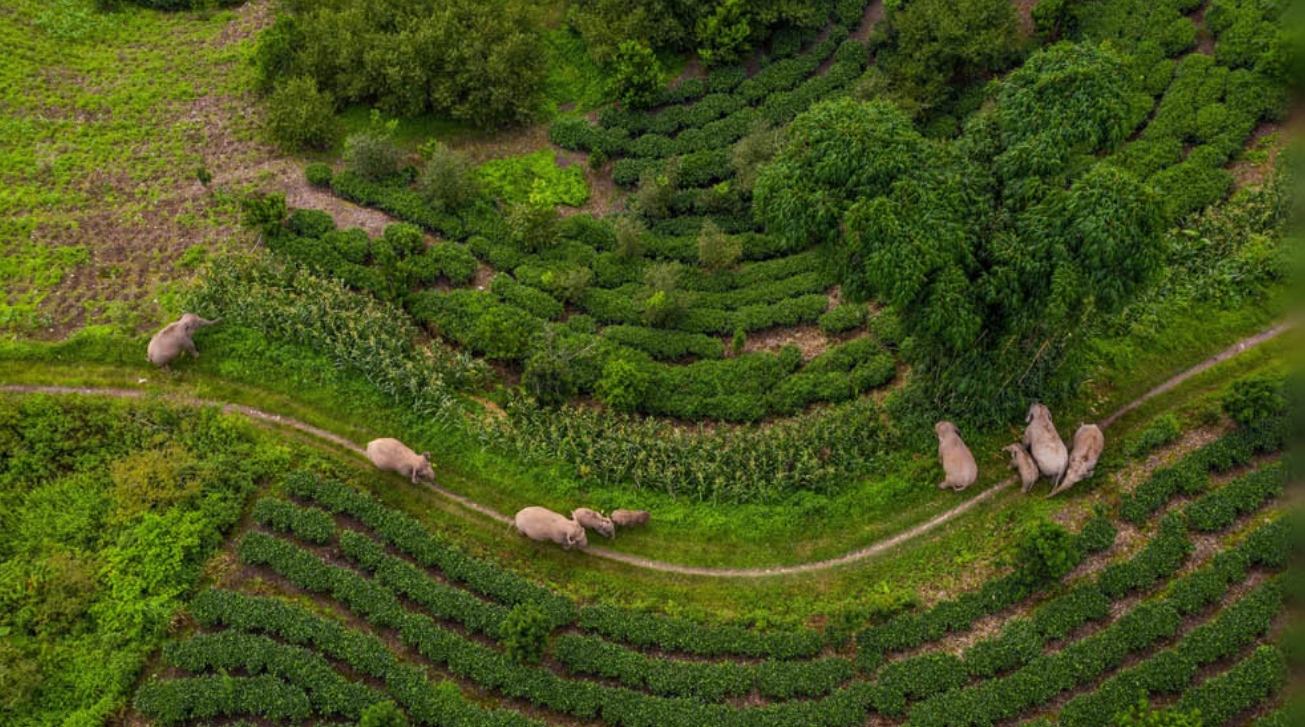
[
  {"x": 391, "y": 455},
  {"x": 167, "y": 344},
  {"x": 629, "y": 518},
  {"x": 1022, "y": 461},
  {"x": 1045, "y": 444},
  {"x": 957, "y": 462},
  {"x": 594, "y": 521},
  {"x": 540, "y": 523},
  {"x": 1088, "y": 444}
]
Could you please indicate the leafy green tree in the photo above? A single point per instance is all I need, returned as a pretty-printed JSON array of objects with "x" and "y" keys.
[
  {"x": 524, "y": 633},
  {"x": 534, "y": 227},
  {"x": 935, "y": 45},
  {"x": 372, "y": 153},
  {"x": 623, "y": 385},
  {"x": 723, "y": 36},
  {"x": 448, "y": 182},
  {"x": 299, "y": 116},
  {"x": 717, "y": 250},
  {"x": 663, "y": 301},
  {"x": 656, "y": 190},
  {"x": 1255, "y": 398},
  {"x": 630, "y": 232},
  {"x": 636, "y": 74},
  {"x": 383, "y": 714}
]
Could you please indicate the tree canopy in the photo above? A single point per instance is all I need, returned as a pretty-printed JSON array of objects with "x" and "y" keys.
[{"x": 995, "y": 249}]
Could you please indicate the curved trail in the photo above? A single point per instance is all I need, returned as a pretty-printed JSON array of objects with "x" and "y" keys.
[{"x": 634, "y": 560}]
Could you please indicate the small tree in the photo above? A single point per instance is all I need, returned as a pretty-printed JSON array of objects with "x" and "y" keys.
[
  {"x": 264, "y": 213},
  {"x": 723, "y": 35},
  {"x": 299, "y": 116},
  {"x": 664, "y": 302},
  {"x": 630, "y": 232},
  {"x": 568, "y": 285},
  {"x": 636, "y": 74},
  {"x": 1254, "y": 399},
  {"x": 534, "y": 227},
  {"x": 656, "y": 190},
  {"x": 623, "y": 385},
  {"x": 449, "y": 182},
  {"x": 372, "y": 153},
  {"x": 1045, "y": 553},
  {"x": 524, "y": 633},
  {"x": 383, "y": 714},
  {"x": 717, "y": 250}
]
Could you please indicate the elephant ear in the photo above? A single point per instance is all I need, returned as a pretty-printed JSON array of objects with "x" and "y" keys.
[{"x": 425, "y": 456}]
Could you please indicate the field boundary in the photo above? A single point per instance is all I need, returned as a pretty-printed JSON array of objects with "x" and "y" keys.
[{"x": 1241, "y": 346}]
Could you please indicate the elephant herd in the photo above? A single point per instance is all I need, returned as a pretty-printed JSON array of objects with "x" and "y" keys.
[
  {"x": 536, "y": 523},
  {"x": 1041, "y": 453}
]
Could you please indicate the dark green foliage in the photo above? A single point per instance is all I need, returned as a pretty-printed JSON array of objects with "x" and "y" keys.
[
  {"x": 181, "y": 700},
  {"x": 308, "y": 524},
  {"x": 1249, "y": 682},
  {"x": 843, "y": 318},
  {"x": 636, "y": 74},
  {"x": 300, "y": 116},
  {"x": 112, "y": 507},
  {"x": 448, "y": 182},
  {"x": 1255, "y": 399},
  {"x": 473, "y": 61},
  {"x": 1164, "y": 430},
  {"x": 1045, "y": 552},
  {"x": 1219, "y": 509},
  {"x": 310, "y": 223},
  {"x": 666, "y": 345},
  {"x": 383, "y": 714},
  {"x": 524, "y": 633},
  {"x": 318, "y": 174}
]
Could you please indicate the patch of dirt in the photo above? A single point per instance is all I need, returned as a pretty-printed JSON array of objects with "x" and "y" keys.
[
  {"x": 807, "y": 337},
  {"x": 289, "y": 177},
  {"x": 692, "y": 69},
  {"x": 251, "y": 18},
  {"x": 512, "y": 142},
  {"x": 874, "y": 12},
  {"x": 1204, "y": 38},
  {"x": 1024, "y": 13},
  {"x": 1248, "y": 173}
]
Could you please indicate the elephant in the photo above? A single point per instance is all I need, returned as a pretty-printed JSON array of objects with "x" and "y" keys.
[
  {"x": 540, "y": 523},
  {"x": 391, "y": 455},
  {"x": 1088, "y": 445},
  {"x": 630, "y": 518},
  {"x": 1045, "y": 444},
  {"x": 595, "y": 521},
  {"x": 1022, "y": 461},
  {"x": 169, "y": 343},
  {"x": 957, "y": 462}
]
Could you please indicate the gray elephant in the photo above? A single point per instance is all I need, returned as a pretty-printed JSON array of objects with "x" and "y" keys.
[
  {"x": 594, "y": 521},
  {"x": 540, "y": 523},
  {"x": 1022, "y": 462},
  {"x": 630, "y": 518},
  {"x": 1045, "y": 444},
  {"x": 169, "y": 343},
  {"x": 391, "y": 455},
  {"x": 958, "y": 464},
  {"x": 1088, "y": 445}
]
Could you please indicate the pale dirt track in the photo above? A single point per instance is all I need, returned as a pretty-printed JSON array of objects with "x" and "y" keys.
[{"x": 866, "y": 552}]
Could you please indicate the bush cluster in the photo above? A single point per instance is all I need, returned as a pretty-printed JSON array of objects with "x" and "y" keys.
[
  {"x": 1219, "y": 509},
  {"x": 308, "y": 524},
  {"x": 181, "y": 700}
]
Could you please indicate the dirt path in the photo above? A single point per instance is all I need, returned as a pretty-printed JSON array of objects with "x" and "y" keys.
[{"x": 863, "y": 553}]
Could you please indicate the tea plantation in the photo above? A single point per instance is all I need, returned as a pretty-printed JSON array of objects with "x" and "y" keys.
[{"x": 598, "y": 362}]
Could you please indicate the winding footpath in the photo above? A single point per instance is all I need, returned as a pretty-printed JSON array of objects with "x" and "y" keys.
[{"x": 633, "y": 560}]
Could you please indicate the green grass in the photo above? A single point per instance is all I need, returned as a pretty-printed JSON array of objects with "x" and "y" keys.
[{"x": 103, "y": 120}]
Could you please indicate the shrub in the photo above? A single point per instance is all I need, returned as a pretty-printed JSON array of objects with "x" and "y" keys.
[
  {"x": 1254, "y": 399},
  {"x": 372, "y": 153},
  {"x": 299, "y": 116},
  {"x": 623, "y": 386},
  {"x": 264, "y": 213},
  {"x": 318, "y": 174},
  {"x": 383, "y": 714},
  {"x": 843, "y": 317},
  {"x": 717, "y": 250},
  {"x": 657, "y": 187},
  {"x": 448, "y": 182},
  {"x": 636, "y": 74},
  {"x": 568, "y": 285},
  {"x": 1142, "y": 715},
  {"x": 524, "y": 633},
  {"x": 1044, "y": 553},
  {"x": 630, "y": 233},
  {"x": 533, "y": 227},
  {"x": 1164, "y": 430},
  {"x": 310, "y": 223}
]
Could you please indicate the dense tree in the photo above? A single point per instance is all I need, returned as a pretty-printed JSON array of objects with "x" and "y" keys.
[
  {"x": 469, "y": 59},
  {"x": 636, "y": 74},
  {"x": 448, "y": 182},
  {"x": 996, "y": 249},
  {"x": 300, "y": 116},
  {"x": 930, "y": 46}
]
